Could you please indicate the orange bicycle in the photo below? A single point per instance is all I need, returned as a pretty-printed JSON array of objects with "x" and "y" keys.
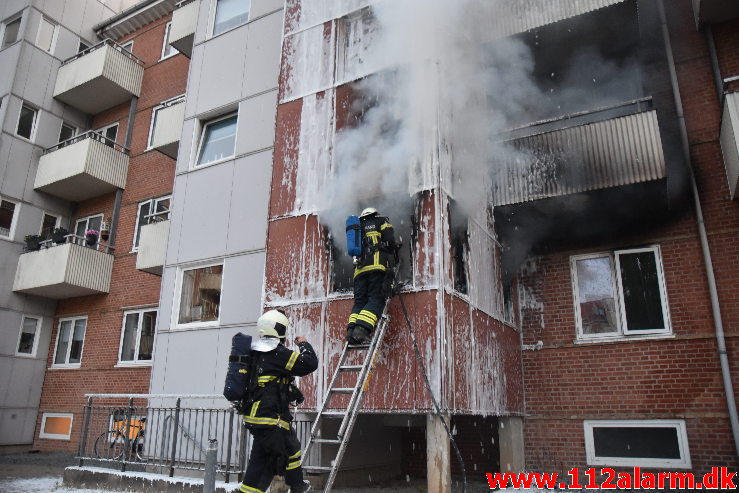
[{"x": 112, "y": 444}]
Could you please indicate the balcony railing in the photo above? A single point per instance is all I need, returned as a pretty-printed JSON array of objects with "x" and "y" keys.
[
  {"x": 606, "y": 147},
  {"x": 65, "y": 271},
  {"x": 85, "y": 166},
  {"x": 99, "y": 78},
  {"x": 168, "y": 126},
  {"x": 184, "y": 20},
  {"x": 153, "y": 243},
  {"x": 163, "y": 435},
  {"x": 730, "y": 141}
]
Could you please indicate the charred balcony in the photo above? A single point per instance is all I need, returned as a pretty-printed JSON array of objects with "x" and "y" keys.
[
  {"x": 184, "y": 20},
  {"x": 99, "y": 78},
  {"x": 85, "y": 166}
]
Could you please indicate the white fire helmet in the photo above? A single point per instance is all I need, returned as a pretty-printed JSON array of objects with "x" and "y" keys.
[
  {"x": 273, "y": 323},
  {"x": 369, "y": 211}
]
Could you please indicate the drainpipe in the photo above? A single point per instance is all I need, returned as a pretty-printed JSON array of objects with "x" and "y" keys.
[
  {"x": 119, "y": 192},
  {"x": 718, "y": 323}
]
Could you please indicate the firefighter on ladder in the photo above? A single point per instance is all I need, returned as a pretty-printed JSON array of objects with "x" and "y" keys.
[
  {"x": 275, "y": 446},
  {"x": 373, "y": 275}
]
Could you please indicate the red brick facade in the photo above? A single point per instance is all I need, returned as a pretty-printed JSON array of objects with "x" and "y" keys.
[{"x": 150, "y": 175}]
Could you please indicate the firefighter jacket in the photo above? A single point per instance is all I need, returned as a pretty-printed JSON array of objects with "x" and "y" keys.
[
  {"x": 378, "y": 245},
  {"x": 275, "y": 389}
]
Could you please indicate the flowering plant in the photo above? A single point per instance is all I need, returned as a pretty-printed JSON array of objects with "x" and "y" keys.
[{"x": 91, "y": 232}]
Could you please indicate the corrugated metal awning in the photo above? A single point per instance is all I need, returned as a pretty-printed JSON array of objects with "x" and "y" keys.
[
  {"x": 517, "y": 16},
  {"x": 609, "y": 153}
]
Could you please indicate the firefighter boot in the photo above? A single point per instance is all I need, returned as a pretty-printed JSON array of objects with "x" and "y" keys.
[
  {"x": 361, "y": 335},
  {"x": 349, "y": 330},
  {"x": 303, "y": 489}
]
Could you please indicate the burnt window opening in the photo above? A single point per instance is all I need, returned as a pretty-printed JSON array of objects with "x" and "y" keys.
[{"x": 458, "y": 230}]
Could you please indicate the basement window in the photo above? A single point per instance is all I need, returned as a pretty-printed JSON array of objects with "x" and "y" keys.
[
  {"x": 637, "y": 443},
  {"x": 56, "y": 426},
  {"x": 137, "y": 336},
  {"x": 200, "y": 296},
  {"x": 620, "y": 294},
  {"x": 459, "y": 248}
]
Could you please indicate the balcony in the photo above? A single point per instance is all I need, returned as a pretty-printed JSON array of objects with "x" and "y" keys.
[
  {"x": 153, "y": 244},
  {"x": 64, "y": 271},
  {"x": 603, "y": 148},
  {"x": 184, "y": 20},
  {"x": 99, "y": 78},
  {"x": 730, "y": 141},
  {"x": 714, "y": 11},
  {"x": 85, "y": 166},
  {"x": 168, "y": 121}
]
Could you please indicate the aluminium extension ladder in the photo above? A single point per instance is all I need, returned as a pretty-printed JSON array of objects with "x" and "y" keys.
[{"x": 348, "y": 416}]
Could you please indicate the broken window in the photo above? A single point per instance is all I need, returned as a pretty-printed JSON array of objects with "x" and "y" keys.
[
  {"x": 458, "y": 230},
  {"x": 620, "y": 294}
]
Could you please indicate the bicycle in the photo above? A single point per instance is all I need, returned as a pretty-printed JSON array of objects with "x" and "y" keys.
[{"x": 112, "y": 444}]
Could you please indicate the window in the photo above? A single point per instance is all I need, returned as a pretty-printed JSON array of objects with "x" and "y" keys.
[
  {"x": 89, "y": 222},
  {"x": 27, "y": 122},
  {"x": 167, "y": 49},
  {"x": 459, "y": 231},
  {"x": 229, "y": 14},
  {"x": 29, "y": 336},
  {"x": 67, "y": 132},
  {"x": 147, "y": 209},
  {"x": 56, "y": 426},
  {"x": 218, "y": 140},
  {"x": 46, "y": 36},
  {"x": 10, "y": 33},
  {"x": 639, "y": 443},
  {"x": 7, "y": 218},
  {"x": 200, "y": 295},
  {"x": 82, "y": 46},
  {"x": 137, "y": 338},
  {"x": 69, "y": 341},
  {"x": 48, "y": 224},
  {"x": 620, "y": 294},
  {"x": 128, "y": 46}
]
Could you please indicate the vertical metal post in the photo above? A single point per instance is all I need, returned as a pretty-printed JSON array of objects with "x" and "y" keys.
[
  {"x": 127, "y": 434},
  {"x": 209, "y": 480},
  {"x": 85, "y": 426},
  {"x": 173, "y": 457},
  {"x": 229, "y": 442}
]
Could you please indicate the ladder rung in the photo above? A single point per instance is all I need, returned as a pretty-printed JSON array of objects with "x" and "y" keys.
[
  {"x": 335, "y": 441},
  {"x": 332, "y": 414},
  {"x": 316, "y": 468},
  {"x": 361, "y": 347},
  {"x": 351, "y": 368},
  {"x": 342, "y": 390}
]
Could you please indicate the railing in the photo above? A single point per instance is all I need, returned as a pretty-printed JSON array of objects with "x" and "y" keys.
[
  {"x": 157, "y": 217},
  {"x": 105, "y": 42},
  {"x": 78, "y": 240},
  {"x": 182, "y": 3},
  {"x": 90, "y": 134},
  {"x": 163, "y": 435}
]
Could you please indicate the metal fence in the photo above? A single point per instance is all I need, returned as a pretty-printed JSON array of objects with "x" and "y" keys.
[{"x": 156, "y": 433}]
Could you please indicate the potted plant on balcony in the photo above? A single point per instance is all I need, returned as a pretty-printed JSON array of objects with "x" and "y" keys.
[
  {"x": 59, "y": 235},
  {"x": 91, "y": 237},
  {"x": 33, "y": 242}
]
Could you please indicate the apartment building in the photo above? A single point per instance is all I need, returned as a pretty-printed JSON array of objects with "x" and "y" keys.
[
  {"x": 97, "y": 183},
  {"x": 37, "y": 36}
]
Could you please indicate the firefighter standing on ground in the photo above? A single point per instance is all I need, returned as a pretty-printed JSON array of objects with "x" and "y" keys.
[
  {"x": 372, "y": 275},
  {"x": 275, "y": 447}
]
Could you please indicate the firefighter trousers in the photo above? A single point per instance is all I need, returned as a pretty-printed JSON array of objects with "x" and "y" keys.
[
  {"x": 369, "y": 299},
  {"x": 274, "y": 451}
]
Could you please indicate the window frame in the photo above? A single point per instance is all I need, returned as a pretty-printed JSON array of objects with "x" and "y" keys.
[
  {"x": 81, "y": 43},
  {"x": 75, "y": 131},
  {"x": 54, "y": 35},
  {"x": 14, "y": 221},
  {"x": 56, "y": 436},
  {"x": 67, "y": 364},
  {"x": 204, "y": 128},
  {"x": 175, "y": 51},
  {"x": 101, "y": 131},
  {"x": 178, "y": 296},
  {"x": 56, "y": 225},
  {"x": 678, "y": 424},
  {"x": 136, "y": 361},
  {"x": 622, "y": 332},
  {"x": 136, "y": 230},
  {"x": 213, "y": 11},
  {"x": 34, "y": 125},
  {"x": 87, "y": 226},
  {"x": 10, "y": 20},
  {"x": 128, "y": 46},
  {"x": 36, "y": 337}
]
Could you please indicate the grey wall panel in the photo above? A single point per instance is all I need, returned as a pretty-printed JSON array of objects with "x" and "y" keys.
[
  {"x": 52, "y": 8},
  {"x": 73, "y": 15},
  {"x": 241, "y": 294},
  {"x": 205, "y": 214},
  {"x": 32, "y": 82},
  {"x": 29, "y": 221},
  {"x": 32, "y": 20},
  {"x": 16, "y": 172},
  {"x": 202, "y": 28},
  {"x": 95, "y": 13},
  {"x": 261, "y": 7},
  {"x": 8, "y": 58},
  {"x": 179, "y": 193},
  {"x": 257, "y": 123},
  {"x": 220, "y": 83},
  {"x": 6, "y": 368},
  {"x": 18, "y": 426},
  {"x": 248, "y": 210},
  {"x": 11, "y": 7},
  {"x": 263, "y": 47},
  {"x": 190, "y": 363},
  {"x": 188, "y": 143},
  {"x": 9, "y": 253},
  {"x": 167, "y": 291},
  {"x": 13, "y": 106},
  {"x": 10, "y": 323},
  {"x": 47, "y": 132},
  {"x": 193, "y": 82},
  {"x": 67, "y": 43},
  {"x": 161, "y": 348},
  {"x": 20, "y": 392}
]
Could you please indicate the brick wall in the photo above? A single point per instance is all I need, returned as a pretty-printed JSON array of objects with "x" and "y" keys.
[{"x": 150, "y": 174}]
